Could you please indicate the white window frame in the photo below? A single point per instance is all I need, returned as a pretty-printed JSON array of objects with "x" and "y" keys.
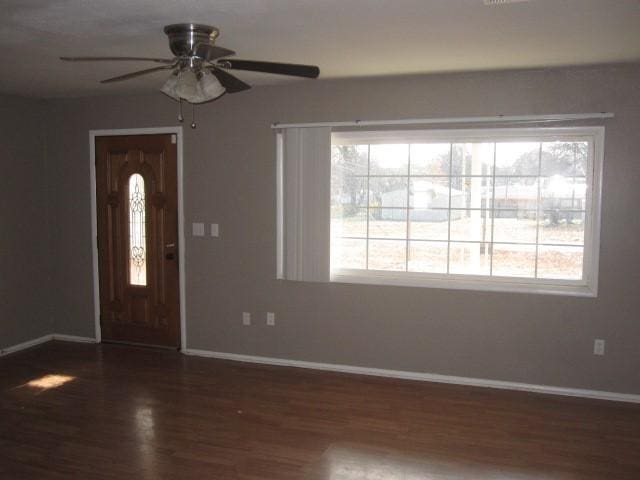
[{"x": 587, "y": 287}]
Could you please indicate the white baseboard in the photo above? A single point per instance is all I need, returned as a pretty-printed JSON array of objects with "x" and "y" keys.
[
  {"x": 377, "y": 372},
  {"x": 45, "y": 339},
  {"x": 72, "y": 338},
  {"x": 25, "y": 345},
  {"x": 423, "y": 377}
]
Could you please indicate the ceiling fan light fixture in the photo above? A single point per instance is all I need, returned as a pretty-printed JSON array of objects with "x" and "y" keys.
[{"x": 193, "y": 88}]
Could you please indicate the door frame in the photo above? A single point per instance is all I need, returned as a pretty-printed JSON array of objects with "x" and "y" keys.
[{"x": 177, "y": 131}]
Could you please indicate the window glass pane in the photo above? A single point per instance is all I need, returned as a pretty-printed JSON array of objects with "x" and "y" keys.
[
  {"x": 516, "y": 226},
  {"x": 470, "y": 225},
  {"x": 429, "y": 192},
  {"x": 430, "y": 158},
  {"x": 517, "y": 158},
  {"x": 349, "y": 160},
  {"x": 428, "y": 257},
  {"x": 580, "y": 189},
  {"x": 516, "y": 193},
  {"x": 389, "y": 159},
  {"x": 388, "y": 192},
  {"x": 387, "y": 255},
  {"x": 514, "y": 260},
  {"x": 469, "y": 258},
  {"x": 472, "y": 159},
  {"x": 567, "y": 159},
  {"x": 137, "y": 231},
  {"x": 582, "y": 157},
  {"x": 471, "y": 192},
  {"x": 387, "y": 223},
  {"x": 429, "y": 224},
  {"x": 560, "y": 262},
  {"x": 349, "y": 191},
  {"x": 564, "y": 227},
  {"x": 348, "y": 253},
  {"x": 349, "y": 223},
  {"x": 560, "y": 192}
]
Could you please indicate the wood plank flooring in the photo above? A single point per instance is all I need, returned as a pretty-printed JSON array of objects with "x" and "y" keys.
[{"x": 72, "y": 411}]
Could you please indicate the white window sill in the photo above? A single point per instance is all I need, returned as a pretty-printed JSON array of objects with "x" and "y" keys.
[{"x": 465, "y": 282}]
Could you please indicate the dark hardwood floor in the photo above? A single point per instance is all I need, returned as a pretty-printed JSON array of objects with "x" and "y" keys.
[{"x": 103, "y": 412}]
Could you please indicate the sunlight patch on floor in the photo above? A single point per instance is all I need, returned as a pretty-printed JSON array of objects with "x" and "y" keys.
[{"x": 49, "y": 381}]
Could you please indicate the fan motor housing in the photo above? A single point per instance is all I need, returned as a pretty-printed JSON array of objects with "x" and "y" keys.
[{"x": 183, "y": 37}]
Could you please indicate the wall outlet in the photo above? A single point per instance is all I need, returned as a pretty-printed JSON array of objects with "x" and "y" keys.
[
  {"x": 246, "y": 318},
  {"x": 215, "y": 230},
  {"x": 271, "y": 319},
  {"x": 598, "y": 346}
]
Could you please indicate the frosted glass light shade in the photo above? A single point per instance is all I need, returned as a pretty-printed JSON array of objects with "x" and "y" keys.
[
  {"x": 209, "y": 86},
  {"x": 189, "y": 87},
  {"x": 169, "y": 87}
]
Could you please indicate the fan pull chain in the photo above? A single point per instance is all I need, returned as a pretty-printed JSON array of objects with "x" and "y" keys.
[
  {"x": 180, "y": 117},
  {"x": 193, "y": 116}
]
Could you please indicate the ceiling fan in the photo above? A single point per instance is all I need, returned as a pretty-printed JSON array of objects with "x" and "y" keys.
[{"x": 199, "y": 67}]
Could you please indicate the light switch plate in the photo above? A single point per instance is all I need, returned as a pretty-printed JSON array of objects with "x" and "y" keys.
[
  {"x": 198, "y": 229},
  {"x": 271, "y": 319},
  {"x": 215, "y": 230},
  {"x": 246, "y": 318}
]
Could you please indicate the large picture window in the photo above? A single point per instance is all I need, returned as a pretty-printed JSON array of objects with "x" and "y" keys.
[{"x": 505, "y": 209}]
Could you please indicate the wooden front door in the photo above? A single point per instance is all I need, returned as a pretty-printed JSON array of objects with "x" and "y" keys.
[{"x": 137, "y": 202}]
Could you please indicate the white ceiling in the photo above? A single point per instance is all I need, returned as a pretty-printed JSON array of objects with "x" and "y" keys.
[{"x": 345, "y": 38}]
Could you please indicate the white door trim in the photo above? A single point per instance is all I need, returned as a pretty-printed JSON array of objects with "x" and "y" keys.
[{"x": 94, "y": 221}]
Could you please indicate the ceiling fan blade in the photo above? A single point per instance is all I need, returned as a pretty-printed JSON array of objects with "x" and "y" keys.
[
  {"x": 116, "y": 59},
  {"x": 228, "y": 81},
  {"x": 307, "y": 71},
  {"x": 137, "y": 74},
  {"x": 211, "y": 52}
]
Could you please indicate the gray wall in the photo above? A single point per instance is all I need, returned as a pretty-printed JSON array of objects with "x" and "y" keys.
[
  {"x": 24, "y": 228},
  {"x": 230, "y": 179}
]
